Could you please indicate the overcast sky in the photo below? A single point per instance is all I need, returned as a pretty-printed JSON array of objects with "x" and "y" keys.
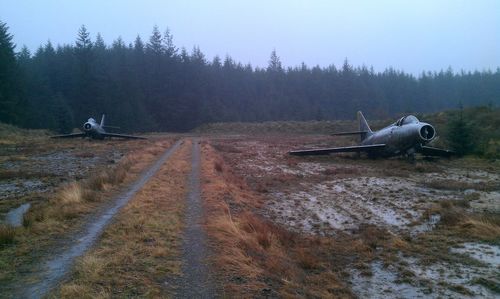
[{"x": 408, "y": 35}]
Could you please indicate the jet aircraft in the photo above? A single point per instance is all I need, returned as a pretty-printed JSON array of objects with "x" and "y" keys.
[
  {"x": 406, "y": 137},
  {"x": 95, "y": 130}
]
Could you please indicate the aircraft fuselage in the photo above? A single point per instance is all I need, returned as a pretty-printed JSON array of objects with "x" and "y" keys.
[
  {"x": 93, "y": 130},
  {"x": 401, "y": 139},
  {"x": 406, "y": 136}
]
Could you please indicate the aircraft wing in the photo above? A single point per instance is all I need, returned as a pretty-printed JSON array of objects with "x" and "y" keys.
[
  {"x": 433, "y": 151},
  {"x": 123, "y": 136},
  {"x": 72, "y": 135},
  {"x": 349, "y": 133},
  {"x": 345, "y": 149}
]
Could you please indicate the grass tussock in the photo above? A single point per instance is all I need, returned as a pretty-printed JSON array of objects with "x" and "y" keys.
[
  {"x": 147, "y": 233},
  {"x": 457, "y": 220},
  {"x": 255, "y": 257},
  {"x": 456, "y": 185},
  {"x": 7, "y": 234},
  {"x": 71, "y": 194}
]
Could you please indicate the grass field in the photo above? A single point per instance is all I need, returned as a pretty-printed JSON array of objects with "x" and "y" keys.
[{"x": 335, "y": 226}]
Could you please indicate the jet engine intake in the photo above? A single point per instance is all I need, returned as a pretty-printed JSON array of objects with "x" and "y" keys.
[
  {"x": 87, "y": 126},
  {"x": 427, "y": 133}
]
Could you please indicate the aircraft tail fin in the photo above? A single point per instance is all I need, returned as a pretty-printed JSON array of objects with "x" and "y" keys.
[
  {"x": 102, "y": 120},
  {"x": 363, "y": 126}
]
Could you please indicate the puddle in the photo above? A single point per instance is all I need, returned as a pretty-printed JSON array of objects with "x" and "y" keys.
[
  {"x": 347, "y": 203},
  {"x": 15, "y": 217},
  {"x": 444, "y": 278},
  {"x": 383, "y": 283},
  {"x": 440, "y": 280}
]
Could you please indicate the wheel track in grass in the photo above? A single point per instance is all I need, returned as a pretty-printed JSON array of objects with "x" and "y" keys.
[
  {"x": 196, "y": 281},
  {"x": 52, "y": 272}
]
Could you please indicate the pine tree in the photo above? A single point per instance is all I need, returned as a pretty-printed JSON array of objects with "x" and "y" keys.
[
  {"x": 274, "y": 64},
  {"x": 138, "y": 45},
  {"x": 62, "y": 114},
  {"x": 99, "y": 44},
  {"x": 84, "y": 93},
  {"x": 9, "y": 86},
  {"x": 155, "y": 45},
  {"x": 461, "y": 134},
  {"x": 83, "y": 41},
  {"x": 168, "y": 44},
  {"x": 24, "y": 56}
]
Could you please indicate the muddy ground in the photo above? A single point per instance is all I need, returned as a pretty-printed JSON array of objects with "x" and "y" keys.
[
  {"x": 431, "y": 227},
  {"x": 341, "y": 195},
  {"x": 31, "y": 169}
]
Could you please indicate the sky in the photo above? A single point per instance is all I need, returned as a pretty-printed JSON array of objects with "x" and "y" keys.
[{"x": 412, "y": 36}]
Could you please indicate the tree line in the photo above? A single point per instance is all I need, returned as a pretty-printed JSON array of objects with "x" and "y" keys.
[{"x": 153, "y": 85}]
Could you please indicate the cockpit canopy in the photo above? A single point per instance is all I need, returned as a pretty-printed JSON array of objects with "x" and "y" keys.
[
  {"x": 409, "y": 119},
  {"x": 91, "y": 120}
]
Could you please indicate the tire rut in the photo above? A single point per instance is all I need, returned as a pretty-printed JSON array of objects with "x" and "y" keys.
[
  {"x": 196, "y": 280},
  {"x": 55, "y": 269}
]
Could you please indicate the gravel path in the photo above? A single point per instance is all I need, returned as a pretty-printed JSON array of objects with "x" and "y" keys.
[
  {"x": 56, "y": 268},
  {"x": 195, "y": 282}
]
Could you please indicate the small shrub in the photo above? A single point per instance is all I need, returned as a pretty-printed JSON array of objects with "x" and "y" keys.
[{"x": 492, "y": 149}]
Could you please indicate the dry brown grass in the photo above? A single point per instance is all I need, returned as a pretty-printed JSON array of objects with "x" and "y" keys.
[
  {"x": 7, "y": 234},
  {"x": 457, "y": 220},
  {"x": 62, "y": 214},
  {"x": 247, "y": 257},
  {"x": 141, "y": 248},
  {"x": 450, "y": 184},
  {"x": 255, "y": 257},
  {"x": 81, "y": 197},
  {"x": 71, "y": 194}
]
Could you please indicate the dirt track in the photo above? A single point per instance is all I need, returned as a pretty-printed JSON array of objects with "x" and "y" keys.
[
  {"x": 195, "y": 281},
  {"x": 54, "y": 270}
]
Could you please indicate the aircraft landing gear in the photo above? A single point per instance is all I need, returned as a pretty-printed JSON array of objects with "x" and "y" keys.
[{"x": 410, "y": 155}]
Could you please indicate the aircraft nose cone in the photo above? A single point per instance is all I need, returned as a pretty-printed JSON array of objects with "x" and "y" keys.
[{"x": 87, "y": 126}]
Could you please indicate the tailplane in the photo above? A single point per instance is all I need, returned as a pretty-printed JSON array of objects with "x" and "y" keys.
[
  {"x": 102, "y": 120},
  {"x": 363, "y": 126}
]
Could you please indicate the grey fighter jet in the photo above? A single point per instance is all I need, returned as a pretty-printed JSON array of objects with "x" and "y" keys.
[
  {"x": 95, "y": 130},
  {"x": 405, "y": 137}
]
